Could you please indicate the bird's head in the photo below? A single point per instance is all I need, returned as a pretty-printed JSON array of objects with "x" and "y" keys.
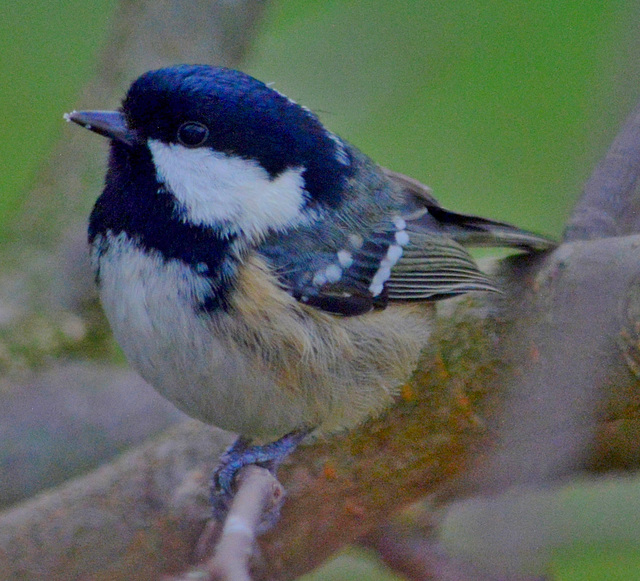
[{"x": 232, "y": 150}]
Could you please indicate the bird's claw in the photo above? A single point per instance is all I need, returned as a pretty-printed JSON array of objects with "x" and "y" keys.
[{"x": 241, "y": 454}]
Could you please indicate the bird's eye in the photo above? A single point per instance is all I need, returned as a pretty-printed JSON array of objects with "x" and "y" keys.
[{"x": 192, "y": 134}]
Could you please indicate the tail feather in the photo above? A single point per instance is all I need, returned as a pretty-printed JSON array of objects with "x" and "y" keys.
[
  {"x": 464, "y": 229},
  {"x": 475, "y": 231}
]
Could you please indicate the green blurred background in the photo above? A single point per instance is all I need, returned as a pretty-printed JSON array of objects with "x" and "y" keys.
[{"x": 502, "y": 107}]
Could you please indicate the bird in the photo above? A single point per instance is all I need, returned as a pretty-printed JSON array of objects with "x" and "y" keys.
[{"x": 261, "y": 272}]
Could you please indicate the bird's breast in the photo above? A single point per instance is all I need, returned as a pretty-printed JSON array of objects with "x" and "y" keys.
[
  {"x": 152, "y": 305},
  {"x": 267, "y": 364}
]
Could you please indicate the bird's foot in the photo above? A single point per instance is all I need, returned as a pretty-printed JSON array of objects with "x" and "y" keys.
[{"x": 241, "y": 454}]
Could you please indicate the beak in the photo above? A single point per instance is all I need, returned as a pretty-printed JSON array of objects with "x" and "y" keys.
[{"x": 111, "y": 124}]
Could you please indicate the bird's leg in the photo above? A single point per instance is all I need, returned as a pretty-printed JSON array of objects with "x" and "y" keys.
[{"x": 240, "y": 454}]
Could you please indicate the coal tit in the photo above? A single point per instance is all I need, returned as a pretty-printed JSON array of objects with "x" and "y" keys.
[{"x": 258, "y": 270}]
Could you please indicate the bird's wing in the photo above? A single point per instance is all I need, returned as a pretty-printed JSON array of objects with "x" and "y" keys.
[
  {"x": 414, "y": 250},
  {"x": 390, "y": 263}
]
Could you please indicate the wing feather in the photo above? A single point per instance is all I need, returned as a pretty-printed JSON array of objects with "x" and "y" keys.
[
  {"x": 389, "y": 241},
  {"x": 433, "y": 267}
]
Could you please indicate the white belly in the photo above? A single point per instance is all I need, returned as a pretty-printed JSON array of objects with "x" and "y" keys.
[{"x": 150, "y": 304}]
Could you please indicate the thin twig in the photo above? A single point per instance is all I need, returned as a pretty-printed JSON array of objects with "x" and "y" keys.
[
  {"x": 259, "y": 496},
  {"x": 415, "y": 552}
]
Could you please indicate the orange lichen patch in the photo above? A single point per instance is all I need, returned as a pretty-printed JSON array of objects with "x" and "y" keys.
[
  {"x": 534, "y": 353},
  {"x": 329, "y": 471},
  {"x": 407, "y": 393},
  {"x": 354, "y": 508},
  {"x": 463, "y": 401},
  {"x": 440, "y": 368}
]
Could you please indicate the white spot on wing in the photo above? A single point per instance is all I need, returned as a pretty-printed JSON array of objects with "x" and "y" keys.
[
  {"x": 333, "y": 273},
  {"x": 320, "y": 279},
  {"x": 216, "y": 188},
  {"x": 356, "y": 241},
  {"x": 345, "y": 258},
  {"x": 377, "y": 283},
  {"x": 399, "y": 223},
  {"x": 402, "y": 238},
  {"x": 394, "y": 253}
]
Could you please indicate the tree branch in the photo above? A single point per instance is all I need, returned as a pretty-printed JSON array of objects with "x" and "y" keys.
[
  {"x": 65, "y": 421},
  {"x": 610, "y": 202},
  {"x": 137, "y": 518},
  {"x": 416, "y": 553},
  {"x": 256, "y": 504}
]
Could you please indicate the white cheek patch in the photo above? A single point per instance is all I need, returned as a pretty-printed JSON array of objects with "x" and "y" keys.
[{"x": 216, "y": 188}]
